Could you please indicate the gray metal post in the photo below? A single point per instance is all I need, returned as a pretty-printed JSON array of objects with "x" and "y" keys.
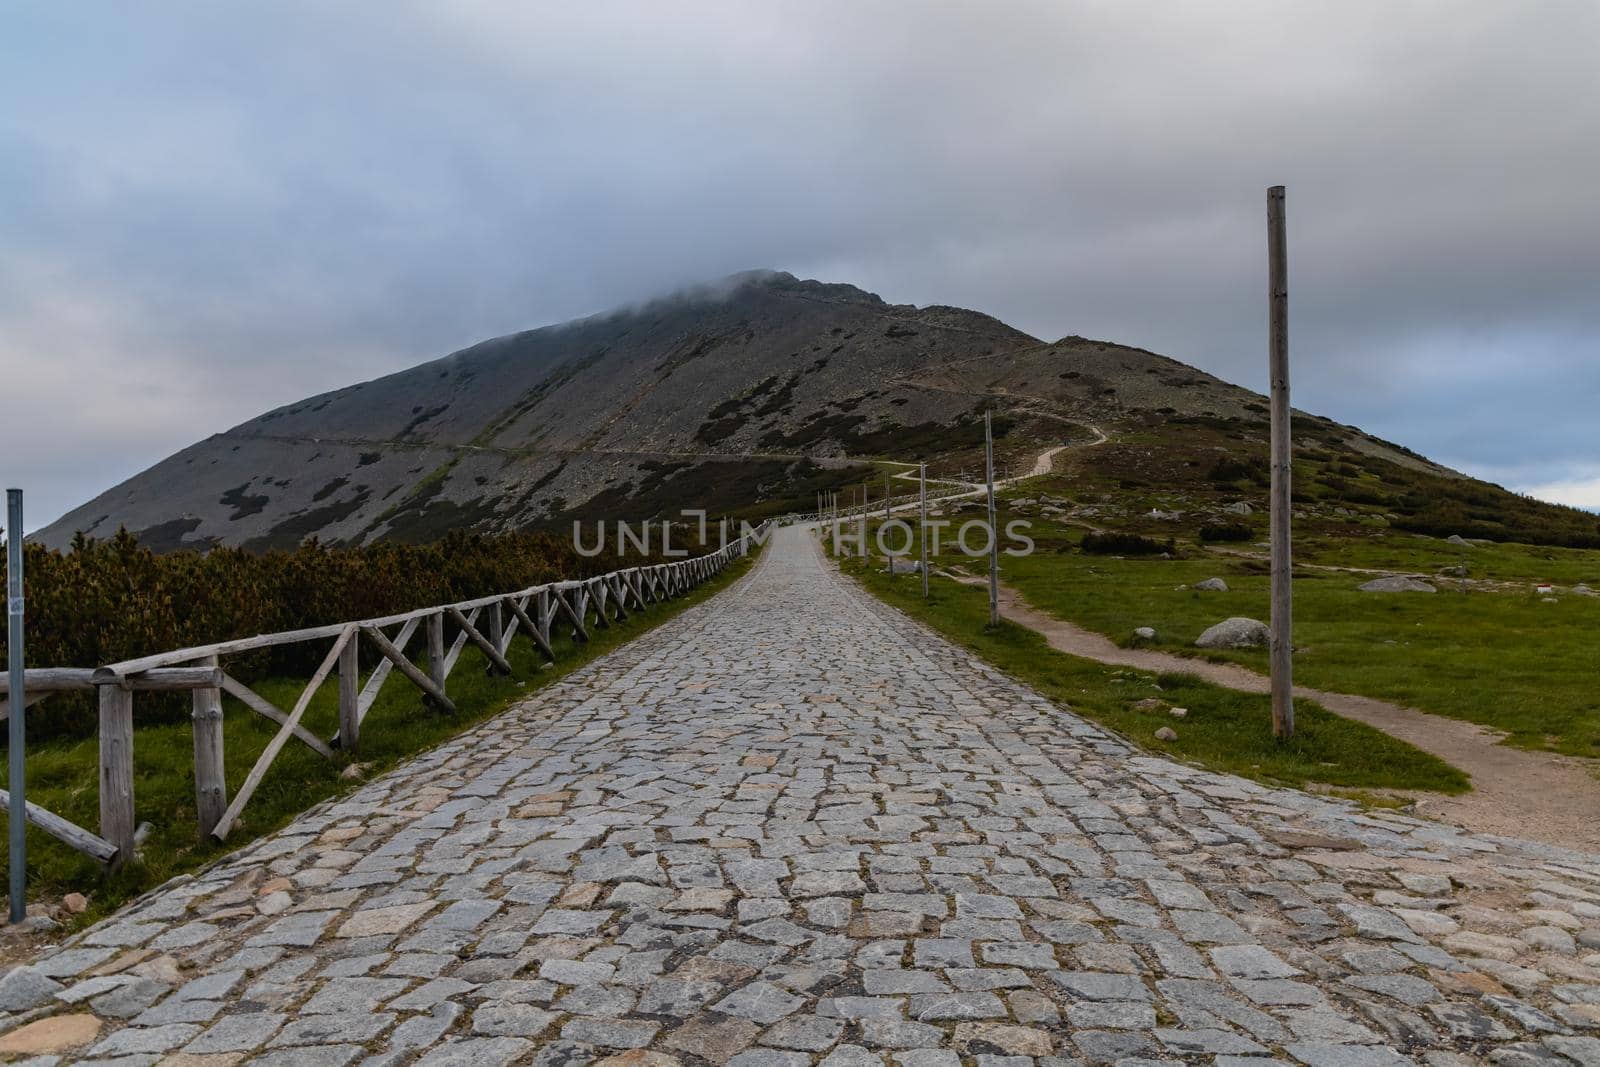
[
  {"x": 17, "y": 858},
  {"x": 922, "y": 526},
  {"x": 1281, "y": 648},
  {"x": 994, "y": 537},
  {"x": 886, "y": 495}
]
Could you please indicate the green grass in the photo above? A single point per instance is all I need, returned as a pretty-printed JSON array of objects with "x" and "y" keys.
[
  {"x": 1497, "y": 561},
  {"x": 1505, "y": 659},
  {"x": 62, "y": 775},
  {"x": 1224, "y": 730}
]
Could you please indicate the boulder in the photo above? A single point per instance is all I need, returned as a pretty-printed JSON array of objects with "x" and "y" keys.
[
  {"x": 1398, "y": 583},
  {"x": 1239, "y": 508},
  {"x": 1212, "y": 585},
  {"x": 1457, "y": 539},
  {"x": 1144, "y": 633},
  {"x": 1166, "y": 733},
  {"x": 904, "y": 566},
  {"x": 1179, "y": 713},
  {"x": 1237, "y": 632}
]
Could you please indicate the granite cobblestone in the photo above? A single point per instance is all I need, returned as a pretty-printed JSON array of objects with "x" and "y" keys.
[{"x": 792, "y": 827}]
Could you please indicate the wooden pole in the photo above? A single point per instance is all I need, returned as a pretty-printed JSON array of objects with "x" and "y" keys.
[
  {"x": 494, "y": 627},
  {"x": 861, "y": 523},
  {"x": 994, "y": 539},
  {"x": 350, "y": 695},
  {"x": 922, "y": 525},
  {"x": 1282, "y": 644},
  {"x": 436, "y": 669},
  {"x": 16, "y": 725},
  {"x": 210, "y": 780},
  {"x": 116, "y": 770}
]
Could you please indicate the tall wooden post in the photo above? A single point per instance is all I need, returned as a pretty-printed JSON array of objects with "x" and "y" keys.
[
  {"x": 861, "y": 524},
  {"x": 922, "y": 524},
  {"x": 994, "y": 537},
  {"x": 17, "y": 696},
  {"x": 116, "y": 770},
  {"x": 210, "y": 781},
  {"x": 350, "y": 694},
  {"x": 1282, "y": 644}
]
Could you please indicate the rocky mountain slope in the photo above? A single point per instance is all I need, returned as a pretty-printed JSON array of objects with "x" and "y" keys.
[{"x": 749, "y": 394}]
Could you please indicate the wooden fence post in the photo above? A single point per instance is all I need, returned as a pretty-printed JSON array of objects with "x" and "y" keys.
[
  {"x": 494, "y": 626},
  {"x": 1282, "y": 643},
  {"x": 210, "y": 779},
  {"x": 116, "y": 770},
  {"x": 436, "y": 648},
  {"x": 350, "y": 694}
]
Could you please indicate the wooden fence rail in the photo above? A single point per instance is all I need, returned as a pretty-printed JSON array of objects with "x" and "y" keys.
[{"x": 486, "y": 623}]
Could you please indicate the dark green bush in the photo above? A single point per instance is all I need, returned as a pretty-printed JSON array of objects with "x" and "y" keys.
[
  {"x": 1124, "y": 544},
  {"x": 1229, "y": 469},
  {"x": 1227, "y": 531}
]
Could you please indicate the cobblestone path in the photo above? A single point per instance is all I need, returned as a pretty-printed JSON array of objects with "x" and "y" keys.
[{"x": 792, "y": 827}]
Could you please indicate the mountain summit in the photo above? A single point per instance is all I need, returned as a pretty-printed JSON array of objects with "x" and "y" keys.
[{"x": 727, "y": 395}]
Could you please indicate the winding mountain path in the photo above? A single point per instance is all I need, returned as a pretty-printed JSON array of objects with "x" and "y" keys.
[{"x": 790, "y": 827}]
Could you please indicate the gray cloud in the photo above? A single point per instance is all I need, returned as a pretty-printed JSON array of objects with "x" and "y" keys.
[{"x": 206, "y": 211}]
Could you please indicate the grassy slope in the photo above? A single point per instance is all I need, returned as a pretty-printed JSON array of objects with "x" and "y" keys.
[
  {"x": 62, "y": 776},
  {"x": 1506, "y": 659},
  {"x": 1224, "y": 730}
]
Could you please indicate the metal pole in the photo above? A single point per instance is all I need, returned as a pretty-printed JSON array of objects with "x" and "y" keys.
[
  {"x": 1282, "y": 645},
  {"x": 886, "y": 495},
  {"x": 17, "y": 858},
  {"x": 922, "y": 526},
  {"x": 994, "y": 539}
]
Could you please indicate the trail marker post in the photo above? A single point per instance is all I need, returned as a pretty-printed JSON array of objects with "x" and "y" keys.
[
  {"x": 922, "y": 525},
  {"x": 994, "y": 540},
  {"x": 1282, "y": 646},
  {"x": 17, "y": 858},
  {"x": 861, "y": 525}
]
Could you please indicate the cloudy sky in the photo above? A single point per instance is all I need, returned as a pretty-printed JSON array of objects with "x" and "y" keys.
[{"x": 207, "y": 210}]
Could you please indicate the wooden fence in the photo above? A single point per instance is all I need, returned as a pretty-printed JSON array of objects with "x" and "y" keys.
[{"x": 488, "y": 623}]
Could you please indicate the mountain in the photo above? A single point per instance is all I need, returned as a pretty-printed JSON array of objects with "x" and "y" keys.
[{"x": 746, "y": 396}]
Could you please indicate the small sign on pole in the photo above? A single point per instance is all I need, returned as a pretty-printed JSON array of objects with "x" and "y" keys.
[{"x": 17, "y": 858}]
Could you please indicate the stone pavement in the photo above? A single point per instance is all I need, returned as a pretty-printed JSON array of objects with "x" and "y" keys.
[{"x": 792, "y": 827}]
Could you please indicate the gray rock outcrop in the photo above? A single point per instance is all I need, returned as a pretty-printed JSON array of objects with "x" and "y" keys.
[
  {"x": 1237, "y": 632},
  {"x": 1398, "y": 583}
]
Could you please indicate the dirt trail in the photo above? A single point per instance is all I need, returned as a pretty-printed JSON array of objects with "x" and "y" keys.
[{"x": 1560, "y": 811}]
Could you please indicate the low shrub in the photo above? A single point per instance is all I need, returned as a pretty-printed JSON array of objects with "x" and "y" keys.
[
  {"x": 1227, "y": 531},
  {"x": 1230, "y": 469},
  {"x": 1125, "y": 544}
]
